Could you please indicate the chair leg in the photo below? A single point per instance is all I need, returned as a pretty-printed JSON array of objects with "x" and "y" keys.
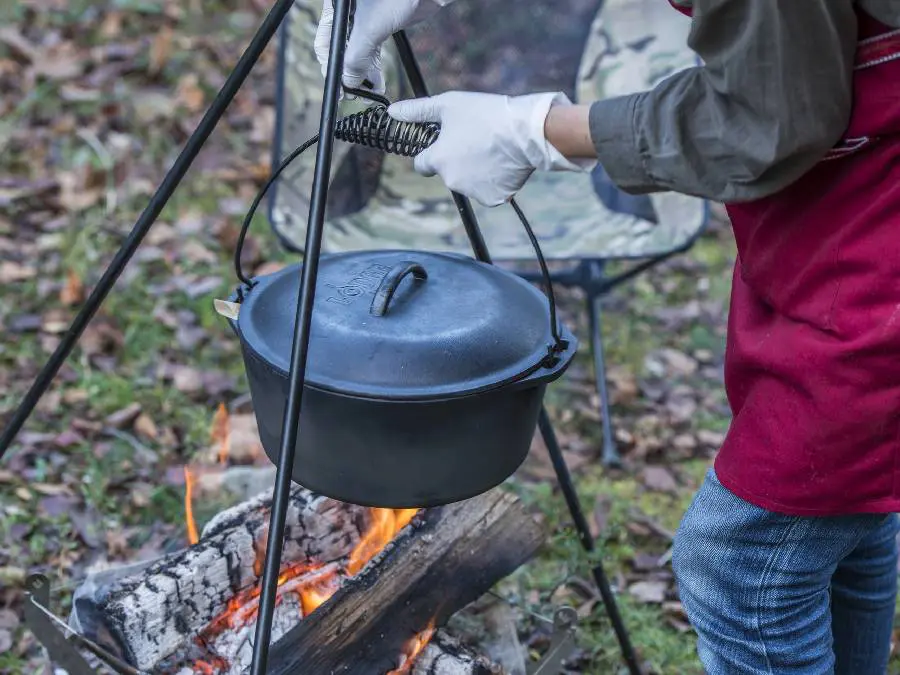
[
  {"x": 584, "y": 533},
  {"x": 610, "y": 457}
]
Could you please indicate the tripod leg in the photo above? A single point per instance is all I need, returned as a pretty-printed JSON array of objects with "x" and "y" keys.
[
  {"x": 611, "y": 456},
  {"x": 300, "y": 340},
  {"x": 587, "y": 540}
]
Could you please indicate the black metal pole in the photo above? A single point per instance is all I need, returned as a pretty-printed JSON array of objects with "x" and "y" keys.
[
  {"x": 587, "y": 540},
  {"x": 300, "y": 348},
  {"x": 463, "y": 205},
  {"x": 157, "y": 202}
]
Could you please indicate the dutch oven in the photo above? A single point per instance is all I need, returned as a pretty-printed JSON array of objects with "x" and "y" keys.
[{"x": 425, "y": 376}]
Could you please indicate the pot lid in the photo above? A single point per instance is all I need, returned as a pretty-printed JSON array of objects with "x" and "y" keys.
[{"x": 403, "y": 324}]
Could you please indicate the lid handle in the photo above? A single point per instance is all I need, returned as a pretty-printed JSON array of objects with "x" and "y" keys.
[{"x": 390, "y": 283}]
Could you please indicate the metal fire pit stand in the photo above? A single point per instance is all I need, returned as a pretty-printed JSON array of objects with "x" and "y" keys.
[{"x": 343, "y": 11}]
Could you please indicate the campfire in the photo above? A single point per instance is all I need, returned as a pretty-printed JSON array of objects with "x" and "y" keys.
[
  {"x": 361, "y": 590},
  {"x": 303, "y": 587}
]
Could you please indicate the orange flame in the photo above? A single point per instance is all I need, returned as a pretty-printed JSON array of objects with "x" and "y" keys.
[
  {"x": 220, "y": 432},
  {"x": 413, "y": 648},
  {"x": 312, "y": 583},
  {"x": 193, "y": 536},
  {"x": 386, "y": 523}
]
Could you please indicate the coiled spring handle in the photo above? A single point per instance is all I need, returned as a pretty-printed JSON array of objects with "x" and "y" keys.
[{"x": 374, "y": 128}]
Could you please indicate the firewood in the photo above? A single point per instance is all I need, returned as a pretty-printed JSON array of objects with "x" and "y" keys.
[
  {"x": 444, "y": 655},
  {"x": 148, "y": 616},
  {"x": 447, "y": 558}
]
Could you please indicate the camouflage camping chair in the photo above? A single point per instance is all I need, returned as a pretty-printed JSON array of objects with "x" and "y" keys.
[{"x": 377, "y": 201}]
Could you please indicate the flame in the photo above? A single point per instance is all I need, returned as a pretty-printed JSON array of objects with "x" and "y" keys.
[
  {"x": 413, "y": 648},
  {"x": 193, "y": 536},
  {"x": 220, "y": 432},
  {"x": 386, "y": 523},
  {"x": 312, "y": 583}
]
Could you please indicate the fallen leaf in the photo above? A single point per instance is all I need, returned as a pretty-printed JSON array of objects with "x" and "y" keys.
[
  {"x": 12, "y": 272},
  {"x": 268, "y": 268},
  {"x": 600, "y": 514},
  {"x": 116, "y": 543},
  {"x": 8, "y": 619},
  {"x": 711, "y": 439},
  {"x": 124, "y": 417},
  {"x": 7, "y": 476},
  {"x": 146, "y": 427},
  {"x": 87, "y": 525},
  {"x": 73, "y": 290},
  {"x": 685, "y": 442},
  {"x": 12, "y": 576},
  {"x": 23, "y": 494},
  {"x": 62, "y": 62},
  {"x": 160, "y": 50},
  {"x": 659, "y": 478},
  {"x": 75, "y": 396},
  {"x": 645, "y": 562},
  {"x": 68, "y": 438},
  {"x": 196, "y": 252},
  {"x": 52, "y": 489},
  {"x": 651, "y": 592},
  {"x": 56, "y": 505},
  {"x": 55, "y": 321},
  {"x": 189, "y": 94},
  {"x": 19, "y": 47},
  {"x": 6, "y": 641}
]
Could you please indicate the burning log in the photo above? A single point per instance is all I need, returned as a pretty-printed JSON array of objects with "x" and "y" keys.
[
  {"x": 151, "y": 615},
  {"x": 446, "y": 559},
  {"x": 352, "y": 591}
]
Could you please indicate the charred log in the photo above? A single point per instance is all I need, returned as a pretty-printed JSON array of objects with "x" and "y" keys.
[
  {"x": 445, "y": 559},
  {"x": 155, "y": 613}
]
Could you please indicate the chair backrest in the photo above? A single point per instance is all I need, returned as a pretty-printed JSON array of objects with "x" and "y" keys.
[{"x": 587, "y": 48}]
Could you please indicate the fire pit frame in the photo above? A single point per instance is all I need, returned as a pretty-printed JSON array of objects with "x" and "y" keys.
[{"x": 343, "y": 13}]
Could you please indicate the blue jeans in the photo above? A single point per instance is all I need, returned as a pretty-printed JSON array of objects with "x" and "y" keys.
[{"x": 772, "y": 594}]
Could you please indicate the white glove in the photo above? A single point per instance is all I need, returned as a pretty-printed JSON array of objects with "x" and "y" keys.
[
  {"x": 375, "y": 21},
  {"x": 489, "y": 144}
]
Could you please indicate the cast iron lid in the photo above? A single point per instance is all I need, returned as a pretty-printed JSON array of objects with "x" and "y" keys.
[{"x": 453, "y": 326}]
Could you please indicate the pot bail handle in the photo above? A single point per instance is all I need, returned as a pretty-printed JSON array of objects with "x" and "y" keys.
[{"x": 390, "y": 283}]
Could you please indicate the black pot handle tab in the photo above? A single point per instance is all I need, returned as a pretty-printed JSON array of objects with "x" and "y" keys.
[{"x": 390, "y": 283}]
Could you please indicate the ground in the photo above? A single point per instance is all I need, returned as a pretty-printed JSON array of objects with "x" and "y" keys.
[{"x": 95, "y": 100}]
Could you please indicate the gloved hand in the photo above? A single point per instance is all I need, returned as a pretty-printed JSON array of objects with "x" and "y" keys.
[
  {"x": 375, "y": 21},
  {"x": 489, "y": 144}
]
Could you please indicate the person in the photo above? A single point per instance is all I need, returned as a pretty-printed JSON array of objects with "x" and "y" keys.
[{"x": 786, "y": 560}]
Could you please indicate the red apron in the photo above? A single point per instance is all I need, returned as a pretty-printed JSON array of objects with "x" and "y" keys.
[{"x": 812, "y": 365}]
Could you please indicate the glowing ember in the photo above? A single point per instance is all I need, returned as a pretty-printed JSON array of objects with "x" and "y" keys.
[
  {"x": 193, "y": 536},
  {"x": 311, "y": 583},
  {"x": 386, "y": 523},
  {"x": 413, "y": 648},
  {"x": 220, "y": 433}
]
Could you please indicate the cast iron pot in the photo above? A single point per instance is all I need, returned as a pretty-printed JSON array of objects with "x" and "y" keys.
[{"x": 425, "y": 375}]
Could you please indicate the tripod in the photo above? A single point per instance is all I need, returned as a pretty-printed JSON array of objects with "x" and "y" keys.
[{"x": 343, "y": 12}]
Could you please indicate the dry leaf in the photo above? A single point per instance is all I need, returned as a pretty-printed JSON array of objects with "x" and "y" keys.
[
  {"x": 600, "y": 514},
  {"x": 11, "y": 272},
  {"x": 189, "y": 94},
  {"x": 268, "y": 268},
  {"x": 160, "y": 51},
  {"x": 649, "y": 591},
  {"x": 146, "y": 427},
  {"x": 122, "y": 418},
  {"x": 659, "y": 478},
  {"x": 62, "y": 63},
  {"x": 51, "y": 489},
  {"x": 712, "y": 439},
  {"x": 73, "y": 291},
  {"x": 116, "y": 543},
  {"x": 19, "y": 47}
]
